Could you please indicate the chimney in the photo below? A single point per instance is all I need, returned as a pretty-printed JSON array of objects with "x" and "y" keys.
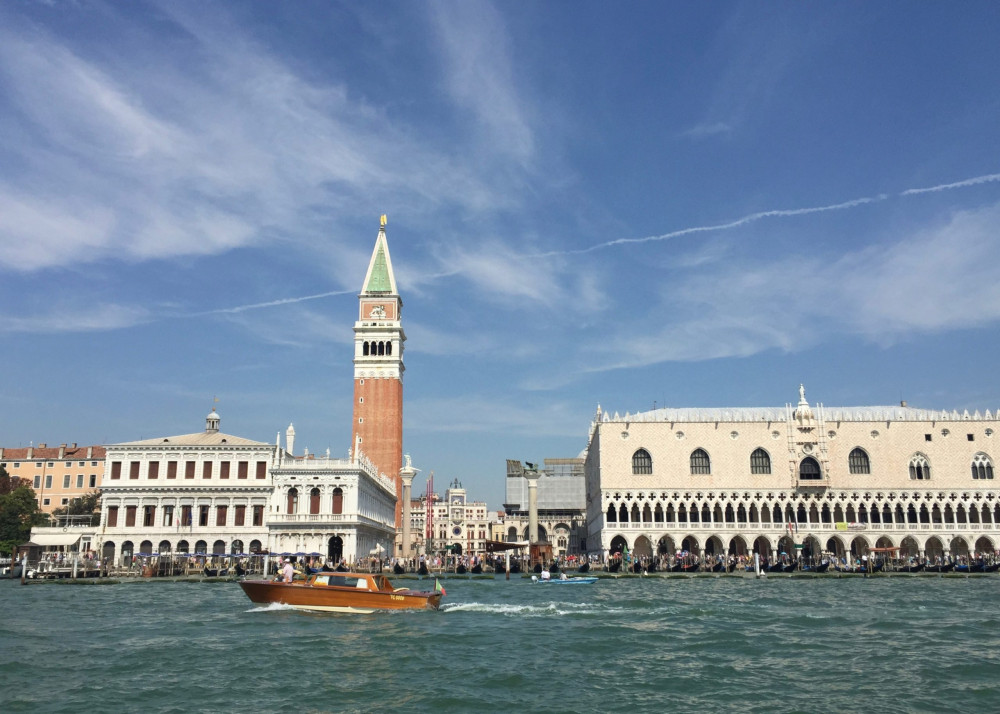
[
  {"x": 73, "y": 445},
  {"x": 90, "y": 452},
  {"x": 31, "y": 452},
  {"x": 42, "y": 445},
  {"x": 902, "y": 403},
  {"x": 62, "y": 451}
]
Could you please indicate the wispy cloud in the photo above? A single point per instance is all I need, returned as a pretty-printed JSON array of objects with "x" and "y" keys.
[
  {"x": 91, "y": 318},
  {"x": 933, "y": 279},
  {"x": 708, "y": 129},
  {"x": 214, "y": 154},
  {"x": 479, "y": 74}
]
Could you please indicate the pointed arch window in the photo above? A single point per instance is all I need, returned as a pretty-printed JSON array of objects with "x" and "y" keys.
[
  {"x": 982, "y": 467},
  {"x": 760, "y": 462},
  {"x": 642, "y": 462},
  {"x": 920, "y": 468},
  {"x": 809, "y": 470},
  {"x": 700, "y": 463},
  {"x": 293, "y": 500},
  {"x": 858, "y": 462}
]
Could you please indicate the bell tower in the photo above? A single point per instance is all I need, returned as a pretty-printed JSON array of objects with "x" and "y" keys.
[{"x": 378, "y": 369}]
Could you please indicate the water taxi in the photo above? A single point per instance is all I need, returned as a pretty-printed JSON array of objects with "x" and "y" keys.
[{"x": 342, "y": 592}]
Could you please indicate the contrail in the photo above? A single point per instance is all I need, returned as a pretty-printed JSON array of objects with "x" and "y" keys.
[
  {"x": 719, "y": 226},
  {"x": 272, "y": 303},
  {"x": 777, "y": 213},
  {"x": 958, "y": 184},
  {"x": 751, "y": 218}
]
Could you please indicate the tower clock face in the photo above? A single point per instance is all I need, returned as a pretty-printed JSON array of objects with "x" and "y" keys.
[{"x": 456, "y": 530}]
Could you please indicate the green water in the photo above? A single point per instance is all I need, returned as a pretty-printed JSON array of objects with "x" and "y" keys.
[{"x": 629, "y": 645}]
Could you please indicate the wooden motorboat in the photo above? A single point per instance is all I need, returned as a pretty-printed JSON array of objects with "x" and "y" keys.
[{"x": 342, "y": 592}]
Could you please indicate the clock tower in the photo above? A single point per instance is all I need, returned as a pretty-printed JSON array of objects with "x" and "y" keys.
[{"x": 378, "y": 369}]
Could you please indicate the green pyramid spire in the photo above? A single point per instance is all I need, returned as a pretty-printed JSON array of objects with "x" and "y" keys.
[{"x": 378, "y": 281}]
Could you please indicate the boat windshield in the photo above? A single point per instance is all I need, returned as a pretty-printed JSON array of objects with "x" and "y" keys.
[{"x": 339, "y": 581}]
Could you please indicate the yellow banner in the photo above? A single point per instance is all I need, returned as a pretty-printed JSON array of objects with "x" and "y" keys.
[{"x": 841, "y": 526}]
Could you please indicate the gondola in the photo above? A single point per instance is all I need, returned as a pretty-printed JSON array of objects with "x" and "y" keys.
[
  {"x": 776, "y": 568},
  {"x": 910, "y": 568},
  {"x": 614, "y": 566},
  {"x": 970, "y": 568},
  {"x": 554, "y": 568},
  {"x": 422, "y": 570},
  {"x": 939, "y": 568},
  {"x": 216, "y": 572},
  {"x": 637, "y": 567},
  {"x": 790, "y": 567},
  {"x": 584, "y": 568},
  {"x": 684, "y": 567},
  {"x": 992, "y": 568},
  {"x": 477, "y": 569},
  {"x": 718, "y": 567},
  {"x": 821, "y": 568},
  {"x": 515, "y": 567},
  {"x": 240, "y": 570},
  {"x": 460, "y": 569},
  {"x": 397, "y": 569}
]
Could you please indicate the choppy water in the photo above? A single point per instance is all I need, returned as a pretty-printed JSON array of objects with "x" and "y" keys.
[{"x": 628, "y": 645}]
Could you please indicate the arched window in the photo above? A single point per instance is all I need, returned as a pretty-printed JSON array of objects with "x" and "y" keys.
[
  {"x": 364, "y": 349},
  {"x": 338, "y": 500},
  {"x": 642, "y": 462},
  {"x": 314, "y": 501},
  {"x": 920, "y": 468},
  {"x": 381, "y": 348},
  {"x": 982, "y": 467},
  {"x": 700, "y": 463},
  {"x": 612, "y": 516},
  {"x": 760, "y": 462},
  {"x": 858, "y": 462},
  {"x": 388, "y": 348},
  {"x": 293, "y": 500},
  {"x": 809, "y": 470}
]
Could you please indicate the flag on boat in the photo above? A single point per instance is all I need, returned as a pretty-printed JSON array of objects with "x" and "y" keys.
[{"x": 438, "y": 588}]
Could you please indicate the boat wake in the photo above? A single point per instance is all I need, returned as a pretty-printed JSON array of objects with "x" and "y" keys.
[
  {"x": 534, "y": 610},
  {"x": 271, "y": 607}
]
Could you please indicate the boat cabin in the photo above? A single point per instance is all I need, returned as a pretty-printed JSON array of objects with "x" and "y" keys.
[{"x": 351, "y": 580}]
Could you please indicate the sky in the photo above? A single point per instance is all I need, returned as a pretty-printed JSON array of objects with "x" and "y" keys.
[{"x": 634, "y": 205}]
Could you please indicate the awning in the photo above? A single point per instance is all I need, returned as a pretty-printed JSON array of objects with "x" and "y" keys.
[
  {"x": 496, "y": 546},
  {"x": 52, "y": 539}
]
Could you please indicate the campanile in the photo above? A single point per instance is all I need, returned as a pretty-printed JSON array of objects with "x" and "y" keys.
[{"x": 378, "y": 369}]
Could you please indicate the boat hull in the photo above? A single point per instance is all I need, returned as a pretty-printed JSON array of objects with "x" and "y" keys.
[
  {"x": 303, "y": 596},
  {"x": 569, "y": 581}
]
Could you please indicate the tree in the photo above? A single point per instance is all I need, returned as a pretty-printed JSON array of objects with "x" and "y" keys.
[
  {"x": 7, "y": 482},
  {"x": 18, "y": 512},
  {"x": 86, "y": 505}
]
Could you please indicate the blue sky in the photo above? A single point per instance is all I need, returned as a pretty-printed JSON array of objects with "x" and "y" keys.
[{"x": 698, "y": 204}]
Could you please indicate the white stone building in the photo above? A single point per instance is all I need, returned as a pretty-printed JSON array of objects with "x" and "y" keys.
[
  {"x": 452, "y": 524},
  {"x": 562, "y": 501},
  {"x": 212, "y": 492},
  {"x": 340, "y": 508},
  {"x": 840, "y": 480}
]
